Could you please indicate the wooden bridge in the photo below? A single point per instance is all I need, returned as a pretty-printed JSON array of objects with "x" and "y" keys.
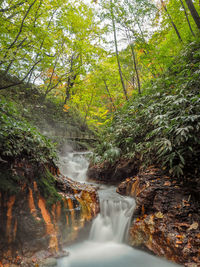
[{"x": 86, "y": 138}]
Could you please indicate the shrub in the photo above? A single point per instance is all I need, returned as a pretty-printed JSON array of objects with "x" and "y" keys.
[
  {"x": 162, "y": 125},
  {"x": 19, "y": 139}
]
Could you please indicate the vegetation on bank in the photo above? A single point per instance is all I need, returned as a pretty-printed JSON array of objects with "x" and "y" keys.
[
  {"x": 19, "y": 139},
  {"x": 22, "y": 144},
  {"x": 161, "y": 126},
  {"x": 48, "y": 115}
]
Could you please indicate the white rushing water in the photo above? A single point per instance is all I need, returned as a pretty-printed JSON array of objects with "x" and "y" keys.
[
  {"x": 105, "y": 245},
  {"x": 112, "y": 222},
  {"x": 74, "y": 165}
]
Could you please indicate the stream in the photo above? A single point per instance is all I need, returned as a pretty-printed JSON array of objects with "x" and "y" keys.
[{"x": 106, "y": 242}]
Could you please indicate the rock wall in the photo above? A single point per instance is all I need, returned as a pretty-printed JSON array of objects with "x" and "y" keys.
[
  {"x": 113, "y": 173},
  {"x": 167, "y": 217},
  {"x": 35, "y": 225}
]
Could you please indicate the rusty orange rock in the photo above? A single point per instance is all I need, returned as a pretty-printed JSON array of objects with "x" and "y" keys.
[
  {"x": 165, "y": 217},
  {"x": 10, "y": 204},
  {"x": 50, "y": 229},
  {"x": 30, "y": 225}
]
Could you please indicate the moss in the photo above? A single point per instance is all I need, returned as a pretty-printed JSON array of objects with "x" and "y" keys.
[{"x": 46, "y": 184}]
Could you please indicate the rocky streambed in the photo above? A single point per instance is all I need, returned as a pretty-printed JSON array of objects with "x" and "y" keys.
[
  {"x": 166, "y": 219},
  {"x": 39, "y": 216}
]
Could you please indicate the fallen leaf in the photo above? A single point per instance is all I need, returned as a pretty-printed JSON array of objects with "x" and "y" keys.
[
  {"x": 159, "y": 215},
  {"x": 179, "y": 242},
  {"x": 167, "y": 184},
  {"x": 193, "y": 226}
]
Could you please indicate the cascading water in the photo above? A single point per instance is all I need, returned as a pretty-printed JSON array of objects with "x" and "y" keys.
[
  {"x": 112, "y": 222},
  {"x": 74, "y": 165},
  {"x": 105, "y": 247}
]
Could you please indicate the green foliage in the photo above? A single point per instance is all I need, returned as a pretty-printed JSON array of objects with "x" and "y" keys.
[
  {"x": 9, "y": 182},
  {"x": 107, "y": 151},
  {"x": 46, "y": 184},
  {"x": 163, "y": 125},
  {"x": 18, "y": 139}
]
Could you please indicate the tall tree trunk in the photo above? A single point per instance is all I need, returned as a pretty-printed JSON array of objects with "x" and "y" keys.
[
  {"x": 42, "y": 43},
  {"x": 110, "y": 97},
  {"x": 71, "y": 78},
  {"x": 88, "y": 108},
  {"x": 193, "y": 12},
  {"x": 117, "y": 52},
  {"x": 171, "y": 20},
  {"x": 187, "y": 17},
  {"x": 134, "y": 60},
  {"x": 136, "y": 69},
  {"x": 146, "y": 51}
]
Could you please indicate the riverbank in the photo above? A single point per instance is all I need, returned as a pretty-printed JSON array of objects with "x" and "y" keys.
[
  {"x": 166, "y": 218},
  {"x": 46, "y": 211}
]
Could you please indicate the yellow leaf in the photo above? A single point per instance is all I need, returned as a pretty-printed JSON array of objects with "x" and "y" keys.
[
  {"x": 159, "y": 215},
  {"x": 65, "y": 108}
]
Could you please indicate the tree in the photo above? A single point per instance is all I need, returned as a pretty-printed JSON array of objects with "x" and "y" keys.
[
  {"x": 116, "y": 49},
  {"x": 186, "y": 15},
  {"x": 193, "y": 12},
  {"x": 171, "y": 20}
]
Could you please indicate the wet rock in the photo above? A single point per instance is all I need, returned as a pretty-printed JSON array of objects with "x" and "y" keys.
[
  {"x": 33, "y": 228},
  {"x": 50, "y": 262},
  {"x": 166, "y": 218},
  {"x": 113, "y": 173},
  {"x": 62, "y": 254}
]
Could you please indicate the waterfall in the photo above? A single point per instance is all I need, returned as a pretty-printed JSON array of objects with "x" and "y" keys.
[
  {"x": 74, "y": 165},
  {"x": 105, "y": 246},
  {"x": 113, "y": 221}
]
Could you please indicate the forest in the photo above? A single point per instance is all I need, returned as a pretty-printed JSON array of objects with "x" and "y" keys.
[
  {"x": 112, "y": 67},
  {"x": 118, "y": 78}
]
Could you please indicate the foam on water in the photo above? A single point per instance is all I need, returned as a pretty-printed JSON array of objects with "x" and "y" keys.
[
  {"x": 74, "y": 165},
  {"x": 112, "y": 222}
]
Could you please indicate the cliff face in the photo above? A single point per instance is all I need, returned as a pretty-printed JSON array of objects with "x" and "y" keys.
[
  {"x": 40, "y": 210},
  {"x": 167, "y": 217}
]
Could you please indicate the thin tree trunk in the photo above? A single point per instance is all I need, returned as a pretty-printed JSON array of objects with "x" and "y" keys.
[
  {"x": 134, "y": 60},
  {"x": 147, "y": 53},
  {"x": 117, "y": 52},
  {"x": 110, "y": 97},
  {"x": 171, "y": 20},
  {"x": 22, "y": 24},
  {"x": 88, "y": 108},
  {"x": 193, "y": 12},
  {"x": 49, "y": 87},
  {"x": 136, "y": 69},
  {"x": 20, "y": 82},
  {"x": 71, "y": 79},
  {"x": 41, "y": 45},
  {"x": 187, "y": 17}
]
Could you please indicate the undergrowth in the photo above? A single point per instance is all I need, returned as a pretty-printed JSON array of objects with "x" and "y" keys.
[
  {"x": 163, "y": 124},
  {"x": 19, "y": 139}
]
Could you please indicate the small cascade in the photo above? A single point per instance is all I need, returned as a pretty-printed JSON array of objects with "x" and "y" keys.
[
  {"x": 113, "y": 221},
  {"x": 74, "y": 165},
  {"x": 105, "y": 245}
]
